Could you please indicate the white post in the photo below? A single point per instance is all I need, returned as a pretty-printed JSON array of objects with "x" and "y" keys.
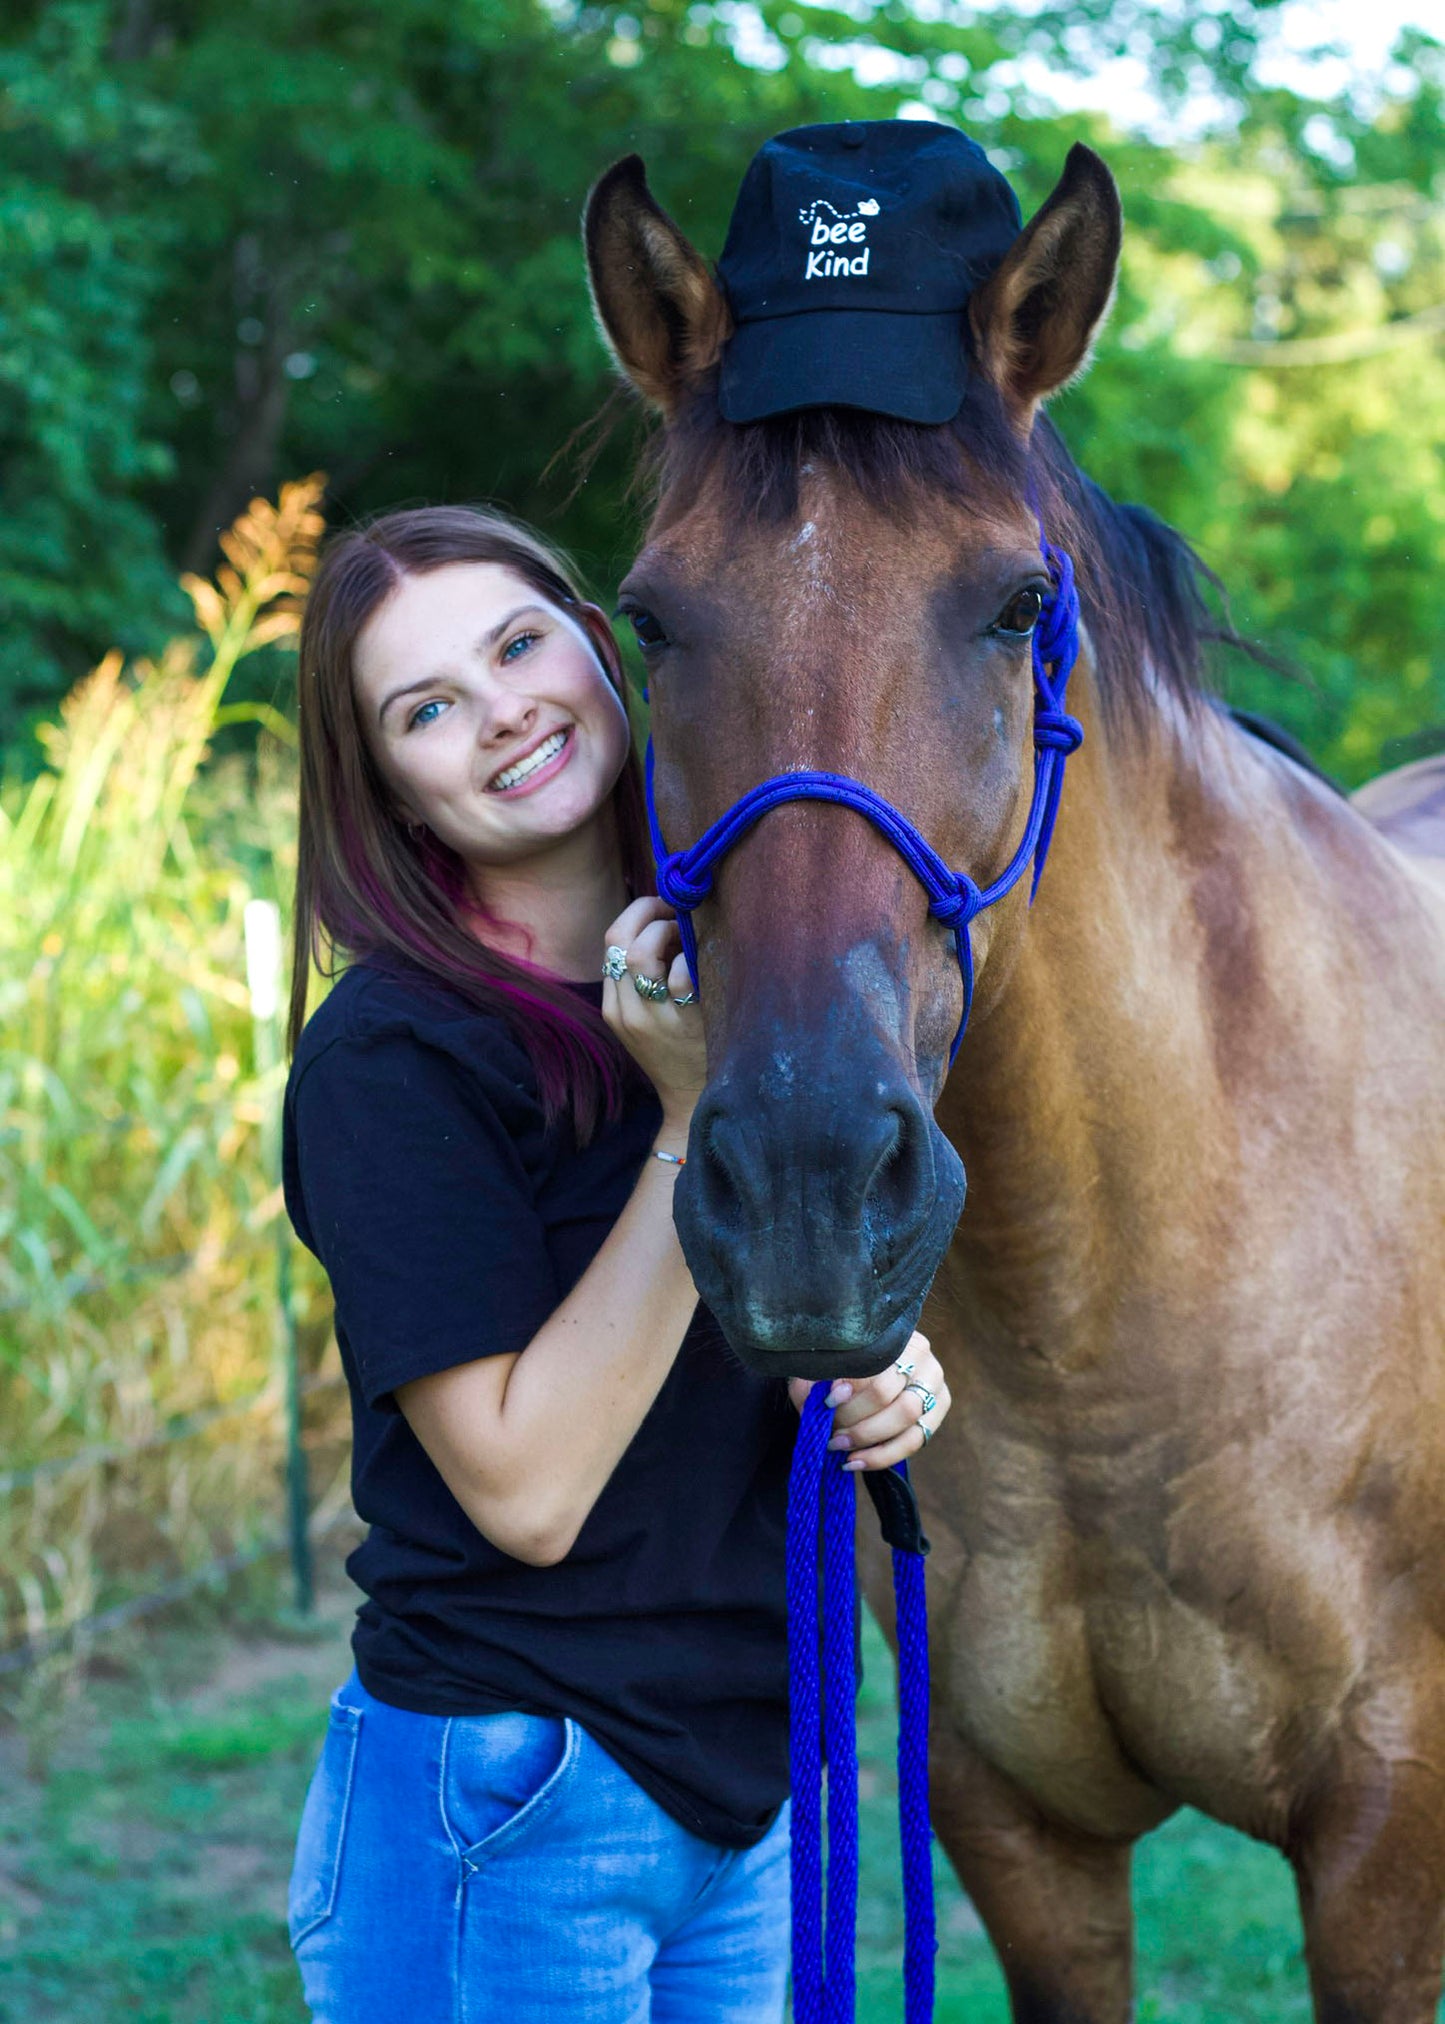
[{"x": 262, "y": 920}]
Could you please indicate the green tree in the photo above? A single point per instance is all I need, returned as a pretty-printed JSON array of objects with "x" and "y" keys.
[
  {"x": 249, "y": 244},
  {"x": 82, "y": 560},
  {"x": 244, "y": 243}
]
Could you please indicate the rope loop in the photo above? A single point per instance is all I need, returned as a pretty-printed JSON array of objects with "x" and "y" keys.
[
  {"x": 823, "y": 1691},
  {"x": 681, "y": 889},
  {"x": 956, "y": 909},
  {"x": 1057, "y": 731}
]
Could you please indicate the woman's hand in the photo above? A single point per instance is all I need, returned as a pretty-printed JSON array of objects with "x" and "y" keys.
[
  {"x": 663, "y": 1036},
  {"x": 881, "y": 1420}
]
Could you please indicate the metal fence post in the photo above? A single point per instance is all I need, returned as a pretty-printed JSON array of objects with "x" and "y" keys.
[{"x": 262, "y": 920}]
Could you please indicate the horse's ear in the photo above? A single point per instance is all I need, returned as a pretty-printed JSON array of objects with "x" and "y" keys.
[
  {"x": 1036, "y": 316},
  {"x": 660, "y": 309}
]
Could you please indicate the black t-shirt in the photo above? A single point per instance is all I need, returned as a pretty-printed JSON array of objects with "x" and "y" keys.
[{"x": 451, "y": 1224}]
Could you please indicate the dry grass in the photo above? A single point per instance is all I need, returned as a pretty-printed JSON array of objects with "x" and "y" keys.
[{"x": 137, "y": 1275}]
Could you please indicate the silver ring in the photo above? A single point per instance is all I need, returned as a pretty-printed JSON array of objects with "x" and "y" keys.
[
  {"x": 614, "y": 963},
  {"x": 689, "y": 999},
  {"x": 648, "y": 987},
  {"x": 929, "y": 1401},
  {"x": 906, "y": 1369},
  {"x": 927, "y": 1433}
]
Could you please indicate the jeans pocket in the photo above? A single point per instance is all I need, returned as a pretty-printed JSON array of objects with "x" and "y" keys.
[
  {"x": 316, "y": 1871},
  {"x": 503, "y": 1774}
]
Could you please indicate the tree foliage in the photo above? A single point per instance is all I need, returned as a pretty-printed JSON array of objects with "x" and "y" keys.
[{"x": 243, "y": 243}]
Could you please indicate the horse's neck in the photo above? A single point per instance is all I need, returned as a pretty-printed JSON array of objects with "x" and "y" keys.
[{"x": 1091, "y": 1101}]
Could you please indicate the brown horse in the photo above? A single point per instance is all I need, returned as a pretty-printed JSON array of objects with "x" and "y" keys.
[{"x": 1189, "y": 1514}]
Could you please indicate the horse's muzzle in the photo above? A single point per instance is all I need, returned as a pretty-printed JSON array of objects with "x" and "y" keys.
[{"x": 814, "y": 1218}]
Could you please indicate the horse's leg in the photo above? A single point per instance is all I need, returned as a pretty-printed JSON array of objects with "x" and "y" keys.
[
  {"x": 1055, "y": 1904},
  {"x": 1370, "y": 1867}
]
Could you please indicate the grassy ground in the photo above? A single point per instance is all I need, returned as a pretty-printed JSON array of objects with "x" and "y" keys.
[
  {"x": 147, "y": 1830},
  {"x": 143, "y": 1865}
]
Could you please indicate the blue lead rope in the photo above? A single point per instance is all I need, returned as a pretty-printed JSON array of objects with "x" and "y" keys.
[{"x": 823, "y": 1711}]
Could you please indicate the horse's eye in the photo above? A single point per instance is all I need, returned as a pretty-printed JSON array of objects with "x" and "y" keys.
[
  {"x": 1021, "y": 614},
  {"x": 645, "y": 626}
]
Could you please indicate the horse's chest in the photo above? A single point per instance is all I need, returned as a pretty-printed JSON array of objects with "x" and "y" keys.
[
  {"x": 1113, "y": 1687},
  {"x": 1015, "y": 1670}
]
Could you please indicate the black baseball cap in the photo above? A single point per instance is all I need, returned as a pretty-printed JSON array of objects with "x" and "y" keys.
[{"x": 852, "y": 251}]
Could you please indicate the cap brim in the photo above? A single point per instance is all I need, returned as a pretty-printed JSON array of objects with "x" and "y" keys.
[{"x": 910, "y": 367}]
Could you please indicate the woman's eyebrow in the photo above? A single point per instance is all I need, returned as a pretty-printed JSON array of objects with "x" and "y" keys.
[{"x": 484, "y": 645}]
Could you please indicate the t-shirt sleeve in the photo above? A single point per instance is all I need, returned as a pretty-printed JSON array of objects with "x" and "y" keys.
[{"x": 418, "y": 1203}]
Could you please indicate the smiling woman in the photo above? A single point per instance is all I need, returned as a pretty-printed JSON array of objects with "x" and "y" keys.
[
  {"x": 559, "y": 1771},
  {"x": 438, "y": 609}
]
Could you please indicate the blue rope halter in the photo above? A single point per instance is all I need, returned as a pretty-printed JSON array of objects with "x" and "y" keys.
[
  {"x": 823, "y": 1726},
  {"x": 684, "y": 877}
]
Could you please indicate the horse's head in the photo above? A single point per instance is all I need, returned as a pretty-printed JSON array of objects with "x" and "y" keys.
[{"x": 834, "y": 591}]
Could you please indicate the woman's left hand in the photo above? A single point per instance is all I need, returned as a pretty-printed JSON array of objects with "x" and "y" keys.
[{"x": 881, "y": 1420}]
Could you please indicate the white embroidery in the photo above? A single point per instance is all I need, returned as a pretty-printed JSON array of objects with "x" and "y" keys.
[{"x": 839, "y": 229}]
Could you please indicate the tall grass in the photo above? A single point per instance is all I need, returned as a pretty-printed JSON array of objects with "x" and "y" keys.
[{"x": 137, "y": 1279}]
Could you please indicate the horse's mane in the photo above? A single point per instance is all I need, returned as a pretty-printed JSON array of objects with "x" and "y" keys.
[{"x": 1144, "y": 592}]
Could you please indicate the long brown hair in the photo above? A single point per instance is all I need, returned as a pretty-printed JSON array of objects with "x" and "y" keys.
[{"x": 366, "y": 887}]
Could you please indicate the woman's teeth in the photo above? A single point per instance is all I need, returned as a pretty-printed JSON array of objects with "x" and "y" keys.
[{"x": 525, "y": 768}]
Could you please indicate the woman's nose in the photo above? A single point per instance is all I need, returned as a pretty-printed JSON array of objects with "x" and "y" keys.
[{"x": 505, "y": 713}]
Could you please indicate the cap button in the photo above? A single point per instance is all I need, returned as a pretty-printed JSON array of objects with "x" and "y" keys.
[{"x": 852, "y": 137}]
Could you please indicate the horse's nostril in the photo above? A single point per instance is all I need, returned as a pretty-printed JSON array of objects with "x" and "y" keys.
[
  {"x": 900, "y": 1181},
  {"x": 714, "y": 1169}
]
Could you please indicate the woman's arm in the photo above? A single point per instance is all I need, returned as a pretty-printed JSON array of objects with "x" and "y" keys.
[{"x": 527, "y": 1442}]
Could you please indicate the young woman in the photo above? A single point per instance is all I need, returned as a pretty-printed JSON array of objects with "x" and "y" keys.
[{"x": 555, "y": 1785}]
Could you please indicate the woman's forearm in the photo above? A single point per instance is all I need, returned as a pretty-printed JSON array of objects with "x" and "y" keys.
[
  {"x": 577, "y": 1394},
  {"x": 526, "y": 1443}
]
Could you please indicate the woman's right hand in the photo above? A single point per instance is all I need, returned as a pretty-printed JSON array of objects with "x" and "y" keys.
[{"x": 664, "y": 1038}]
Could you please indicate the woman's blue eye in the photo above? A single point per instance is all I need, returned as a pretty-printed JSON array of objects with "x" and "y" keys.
[
  {"x": 524, "y": 639},
  {"x": 419, "y": 716}
]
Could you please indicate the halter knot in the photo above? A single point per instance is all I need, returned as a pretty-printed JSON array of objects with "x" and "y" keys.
[
  {"x": 1057, "y": 731},
  {"x": 682, "y": 890},
  {"x": 957, "y": 909}
]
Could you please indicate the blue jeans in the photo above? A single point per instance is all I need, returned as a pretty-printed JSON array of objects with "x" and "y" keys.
[{"x": 503, "y": 1869}]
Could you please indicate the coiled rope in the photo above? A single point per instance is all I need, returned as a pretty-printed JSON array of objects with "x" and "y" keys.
[{"x": 822, "y": 1674}]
